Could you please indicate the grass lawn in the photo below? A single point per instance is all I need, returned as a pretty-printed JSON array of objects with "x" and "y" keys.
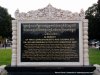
[
  {"x": 94, "y": 56},
  {"x": 5, "y": 56}
]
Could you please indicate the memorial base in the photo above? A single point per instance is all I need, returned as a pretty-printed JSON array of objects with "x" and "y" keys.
[{"x": 80, "y": 70}]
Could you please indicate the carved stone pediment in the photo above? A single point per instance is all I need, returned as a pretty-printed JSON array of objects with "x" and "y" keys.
[{"x": 49, "y": 13}]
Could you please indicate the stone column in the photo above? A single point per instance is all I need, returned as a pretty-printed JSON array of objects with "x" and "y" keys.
[
  {"x": 85, "y": 42},
  {"x": 14, "y": 43}
]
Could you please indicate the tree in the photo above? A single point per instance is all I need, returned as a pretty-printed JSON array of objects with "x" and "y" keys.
[
  {"x": 90, "y": 15},
  {"x": 5, "y": 23},
  {"x": 93, "y": 15},
  {"x": 99, "y": 6}
]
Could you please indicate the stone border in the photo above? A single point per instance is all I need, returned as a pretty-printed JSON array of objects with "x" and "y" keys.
[
  {"x": 14, "y": 43},
  {"x": 19, "y": 63},
  {"x": 85, "y": 42}
]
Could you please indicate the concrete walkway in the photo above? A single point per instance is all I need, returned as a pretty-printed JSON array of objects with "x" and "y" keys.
[
  {"x": 97, "y": 71},
  {"x": 2, "y": 70}
]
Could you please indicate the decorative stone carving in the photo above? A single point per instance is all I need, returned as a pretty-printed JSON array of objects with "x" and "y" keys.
[{"x": 49, "y": 13}]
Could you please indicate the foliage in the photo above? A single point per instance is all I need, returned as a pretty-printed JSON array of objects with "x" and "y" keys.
[
  {"x": 93, "y": 15},
  {"x": 5, "y": 56},
  {"x": 94, "y": 56},
  {"x": 5, "y": 23}
]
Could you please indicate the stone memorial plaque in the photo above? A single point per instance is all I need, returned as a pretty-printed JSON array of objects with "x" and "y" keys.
[{"x": 50, "y": 42}]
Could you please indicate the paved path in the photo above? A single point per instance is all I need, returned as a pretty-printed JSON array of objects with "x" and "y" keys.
[
  {"x": 97, "y": 71},
  {"x": 2, "y": 71}
]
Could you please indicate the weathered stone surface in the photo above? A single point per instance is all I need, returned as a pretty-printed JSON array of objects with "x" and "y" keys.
[
  {"x": 2, "y": 70},
  {"x": 97, "y": 71}
]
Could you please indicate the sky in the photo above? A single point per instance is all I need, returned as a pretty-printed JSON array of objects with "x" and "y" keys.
[{"x": 27, "y": 5}]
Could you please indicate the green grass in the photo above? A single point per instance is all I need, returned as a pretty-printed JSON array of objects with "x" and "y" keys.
[
  {"x": 94, "y": 56},
  {"x": 5, "y": 56}
]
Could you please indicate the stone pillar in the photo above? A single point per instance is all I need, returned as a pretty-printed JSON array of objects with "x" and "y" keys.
[
  {"x": 14, "y": 43},
  {"x": 85, "y": 42}
]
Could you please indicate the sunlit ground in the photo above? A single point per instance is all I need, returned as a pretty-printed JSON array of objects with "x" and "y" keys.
[{"x": 5, "y": 56}]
